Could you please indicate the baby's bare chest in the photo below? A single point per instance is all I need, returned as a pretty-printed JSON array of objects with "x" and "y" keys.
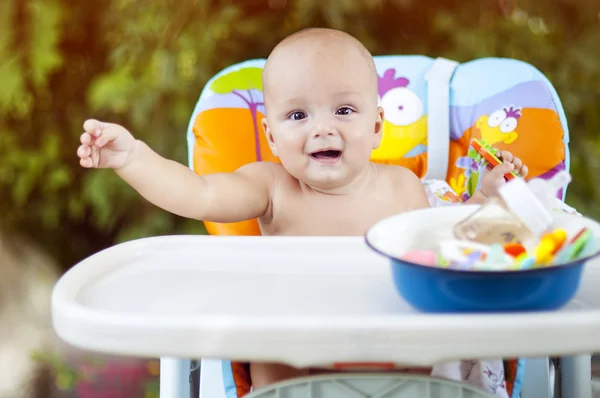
[{"x": 330, "y": 216}]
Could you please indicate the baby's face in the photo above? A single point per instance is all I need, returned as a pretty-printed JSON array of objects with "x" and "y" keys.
[{"x": 322, "y": 116}]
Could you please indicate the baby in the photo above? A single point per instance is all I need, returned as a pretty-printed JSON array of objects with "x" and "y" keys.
[{"x": 322, "y": 122}]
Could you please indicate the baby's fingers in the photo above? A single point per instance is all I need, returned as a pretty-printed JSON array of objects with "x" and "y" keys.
[
  {"x": 99, "y": 133},
  {"x": 93, "y": 126},
  {"x": 85, "y": 156},
  {"x": 86, "y": 139},
  {"x": 524, "y": 171},
  {"x": 519, "y": 167},
  {"x": 84, "y": 151},
  {"x": 105, "y": 136},
  {"x": 88, "y": 163},
  {"x": 507, "y": 157},
  {"x": 503, "y": 169},
  {"x": 98, "y": 138},
  {"x": 518, "y": 164}
]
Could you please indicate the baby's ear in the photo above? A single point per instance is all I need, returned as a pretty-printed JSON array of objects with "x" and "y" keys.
[
  {"x": 378, "y": 127},
  {"x": 269, "y": 134}
]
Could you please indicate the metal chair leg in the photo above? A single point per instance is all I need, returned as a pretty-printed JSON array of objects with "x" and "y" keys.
[{"x": 194, "y": 379}]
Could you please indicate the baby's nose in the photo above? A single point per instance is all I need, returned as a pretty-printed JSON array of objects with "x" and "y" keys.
[{"x": 323, "y": 131}]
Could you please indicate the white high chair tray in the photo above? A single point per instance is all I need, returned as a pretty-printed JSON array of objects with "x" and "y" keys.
[{"x": 306, "y": 301}]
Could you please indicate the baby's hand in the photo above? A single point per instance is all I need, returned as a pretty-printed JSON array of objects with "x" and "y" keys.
[
  {"x": 105, "y": 145},
  {"x": 494, "y": 179}
]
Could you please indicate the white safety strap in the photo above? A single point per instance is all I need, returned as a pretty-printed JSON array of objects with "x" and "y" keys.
[{"x": 438, "y": 119}]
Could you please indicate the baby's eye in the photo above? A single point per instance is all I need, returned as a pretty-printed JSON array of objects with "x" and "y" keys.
[
  {"x": 344, "y": 111},
  {"x": 298, "y": 115}
]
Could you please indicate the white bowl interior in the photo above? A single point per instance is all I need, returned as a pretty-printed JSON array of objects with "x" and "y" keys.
[{"x": 424, "y": 229}]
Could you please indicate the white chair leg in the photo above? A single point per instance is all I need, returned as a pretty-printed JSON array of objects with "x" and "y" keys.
[
  {"x": 576, "y": 376},
  {"x": 174, "y": 378},
  {"x": 536, "y": 381}
]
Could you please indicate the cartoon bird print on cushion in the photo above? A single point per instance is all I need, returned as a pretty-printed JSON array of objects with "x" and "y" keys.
[
  {"x": 516, "y": 110},
  {"x": 500, "y": 126},
  {"x": 405, "y": 124}
]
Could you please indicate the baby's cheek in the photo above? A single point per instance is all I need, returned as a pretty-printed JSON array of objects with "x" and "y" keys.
[{"x": 289, "y": 143}]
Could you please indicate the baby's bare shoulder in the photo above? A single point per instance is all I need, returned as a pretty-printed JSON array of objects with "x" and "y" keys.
[
  {"x": 262, "y": 171},
  {"x": 406, "y": 184},
  {"x": 398, "y": 175}
]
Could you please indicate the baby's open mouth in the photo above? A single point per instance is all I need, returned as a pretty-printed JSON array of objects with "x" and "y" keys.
[{"x": 327, "y": 156}]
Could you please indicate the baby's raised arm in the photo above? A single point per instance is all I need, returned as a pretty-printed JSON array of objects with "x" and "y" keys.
[{"x": 220, "y": 197}]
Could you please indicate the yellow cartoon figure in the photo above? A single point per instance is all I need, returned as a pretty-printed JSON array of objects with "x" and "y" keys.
[
  {"x": 405, "y": 125},
  {"x": 458, "y": 184},
  {"x": 500, "y": 125}
]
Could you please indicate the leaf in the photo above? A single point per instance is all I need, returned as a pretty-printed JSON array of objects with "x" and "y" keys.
[
  {"x": 27, "y": 179},
  {"x": 59, "y": 178},
  {"x": 112, "y": 90},
  {"x": 75, "y": 207},
  {"x": 98, "y": 194},
  {"x": 243, "y": 79},
  {"x": 51, "y": 145},
  {"x": 45, "y": 25},
  {"x": 50, "y": 216},
  {"x": 12, "y": 82},
  {"x": 65, "y": 380},
  {"x": 472, "y": 183},
  {"x": 6, "y": 31}
]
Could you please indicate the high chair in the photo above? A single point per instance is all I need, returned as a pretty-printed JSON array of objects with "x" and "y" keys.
[{"x": 433, "y": 108}]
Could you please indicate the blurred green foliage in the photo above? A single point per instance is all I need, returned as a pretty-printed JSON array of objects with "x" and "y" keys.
[{"x": 144, "y": 64}]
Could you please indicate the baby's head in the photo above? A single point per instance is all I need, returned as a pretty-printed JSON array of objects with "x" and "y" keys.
[{"x": 321, "y": 99}]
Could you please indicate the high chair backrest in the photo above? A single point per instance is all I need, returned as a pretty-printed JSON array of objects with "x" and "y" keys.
[{"x": 433, "y": 108}]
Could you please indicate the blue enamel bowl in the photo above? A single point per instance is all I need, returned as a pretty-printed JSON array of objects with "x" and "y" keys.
[{"x": 436, "y": 289}]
